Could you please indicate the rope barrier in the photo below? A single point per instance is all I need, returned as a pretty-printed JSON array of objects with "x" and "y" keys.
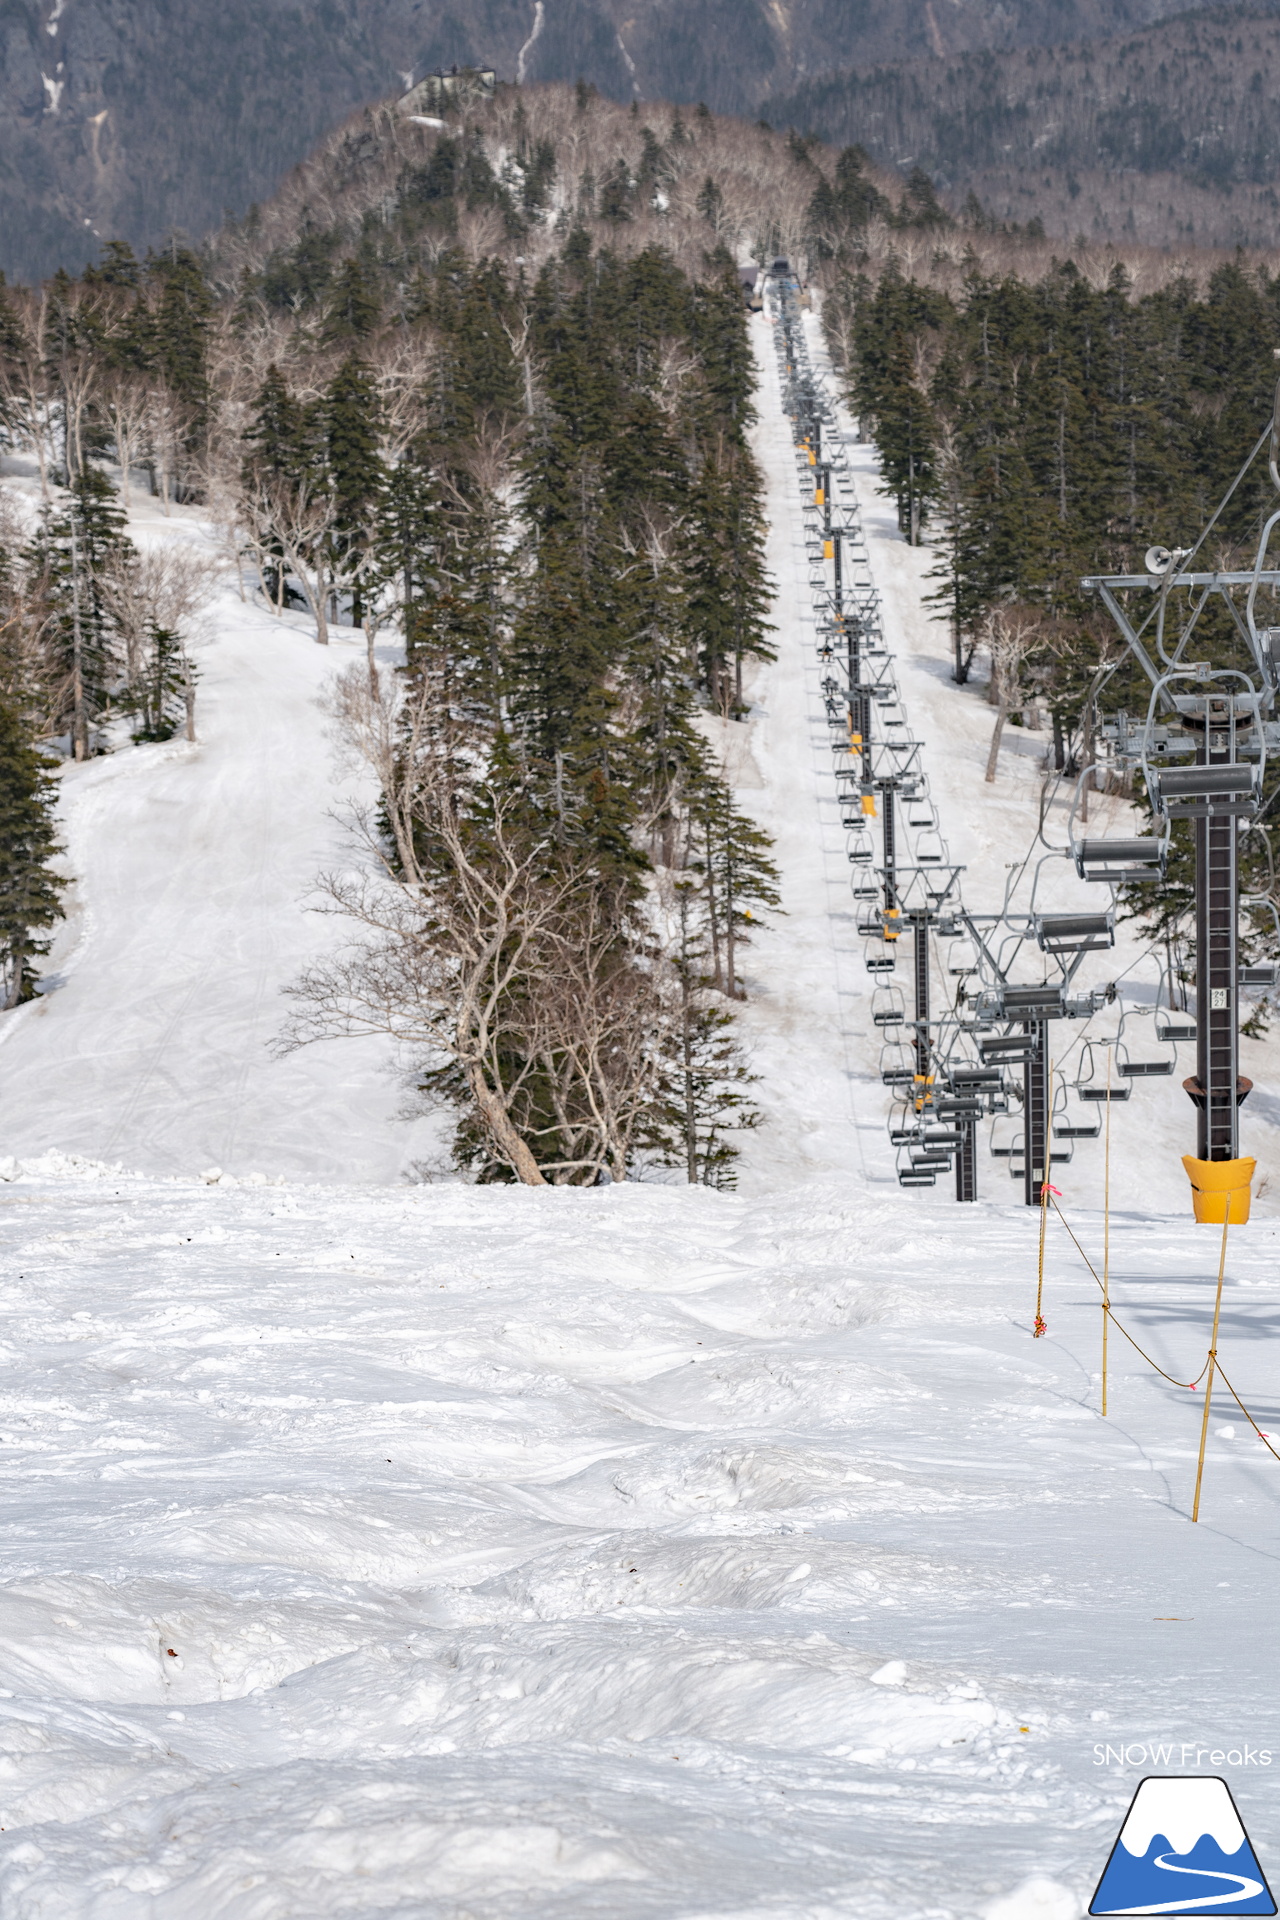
[
  {"x": 1212, "y": 1364},
  {"x": 1119, "y": 1324},
  {"x": 1248, "y": 1416}
]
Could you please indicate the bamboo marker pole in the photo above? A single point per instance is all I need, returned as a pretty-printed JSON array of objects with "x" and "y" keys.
[
  {"x": 1044, "y": 1217},
  {"x": 1213, "y": 1356},
  {"x": 1106, "y": 1235}
]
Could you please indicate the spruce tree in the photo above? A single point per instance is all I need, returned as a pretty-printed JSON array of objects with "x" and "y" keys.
[
  {"x": 356, "y": 476},
  {"x": 72, "y": 556},
  {"x": 354, "y": 308},
  {"x": 703, "y": 1093},
  {"x": 29, "y": 889}
]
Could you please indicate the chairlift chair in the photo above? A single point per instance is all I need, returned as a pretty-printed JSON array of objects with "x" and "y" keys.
[
  {"x": 962, "y": 958},
  {"x": 1153, "y": 1067},
  {"x": 878, "y": 958},
  {"x": 1064, "y": 1125},
  {"x": 897, "y": 1064},
  {"x": 1096, "y": 1091},
  {"x": 931, "y": 849},
  {"x": 1060, "y": 934},
  {"x": 1171, "y": 1023},
  {"x": 887, "y": 1008},
  {"x": 1001, "y": 1048}
]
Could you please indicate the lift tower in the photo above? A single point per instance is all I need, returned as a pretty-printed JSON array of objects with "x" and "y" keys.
[{"x": 1202, "y": 751}]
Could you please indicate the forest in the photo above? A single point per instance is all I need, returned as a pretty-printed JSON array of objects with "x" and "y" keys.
[
  {"x": 534, "y": 478},
  {"x": 1034, "y": 429},
  {"x": 1168, "y": 134},
  {"x": 483, "y": 390}
]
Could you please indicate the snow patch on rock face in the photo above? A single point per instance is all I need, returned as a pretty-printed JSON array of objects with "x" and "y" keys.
[{"x": 539, "y": 15}]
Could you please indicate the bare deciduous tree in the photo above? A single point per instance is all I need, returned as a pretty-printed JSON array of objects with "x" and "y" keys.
[
  {"x": 444, "y": 966},
  {"x": 1010, "y": 633},
  {"x": 161, "y": 588},
  {"x": 26, "y": 398},
  {"x": 299, "y": 518}
]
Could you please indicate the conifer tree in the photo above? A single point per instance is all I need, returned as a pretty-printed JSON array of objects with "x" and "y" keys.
[
  {"x": 728, "y": 587},
  {"x": 356, "y": 476},
  {"x": 704, "y": 1088},
  {"x": 157, "y": 695},
  {"x": 73, "y": 553},
  {"x": 731, "y": 853},
  {"x": 29, "y": 889},
  {"x": 354, "y": 308}
]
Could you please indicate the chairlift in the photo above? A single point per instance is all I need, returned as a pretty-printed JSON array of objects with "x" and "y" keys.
[
  {"x": 878, "y": 958},
  {"x": 999, "y": 1048},
  {"x": 1171, "y": 1023},
  {"x": 931, "y": 849},
  {"x": 1063, "y": 933},
  {"x": 962, "y": 958},
  {"x": 861, "y": 849},
  {"x": 865, "y": 888},
  {"x": 1064, "y": 1124},
  {"x": 887, "y": 1009},
  {"x": 921, "y": 813},
  {"x": 1120, "y": 862},
  {"x": 1153, "y": 1067},
  {"x": 1096, "y": 1091},
  {"x": 897, "y": 1064}
]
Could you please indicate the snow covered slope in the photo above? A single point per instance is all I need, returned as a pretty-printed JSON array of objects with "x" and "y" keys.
[
  {"x": 631, "y": 1552},
  {"x": 193, "y": 867},
  {"x": 641, "y": 1553}
]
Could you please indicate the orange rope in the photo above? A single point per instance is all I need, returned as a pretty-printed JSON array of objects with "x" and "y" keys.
[
  {"x": 1119, "y": 1324},
  {"x": 1191, "y": 1385}
]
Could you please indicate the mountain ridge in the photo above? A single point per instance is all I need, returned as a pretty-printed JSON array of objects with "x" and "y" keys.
[{"x": 129, "y": 118}]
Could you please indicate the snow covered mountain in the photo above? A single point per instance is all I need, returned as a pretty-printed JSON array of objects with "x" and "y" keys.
[{"x": 124, "y": 121}]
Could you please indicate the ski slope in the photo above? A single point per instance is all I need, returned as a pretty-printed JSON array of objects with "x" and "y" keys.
[
  {"x": 380, "y": 1548},
  {"x": 194, "y": 866}
]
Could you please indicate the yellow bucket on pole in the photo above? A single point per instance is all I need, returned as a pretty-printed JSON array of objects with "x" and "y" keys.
[{"x": 1220, "y": 1189}]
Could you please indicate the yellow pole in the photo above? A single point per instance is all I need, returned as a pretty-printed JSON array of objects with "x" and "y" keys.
[
  {"x": 1044, "y": 1216},
  {"x": 1106, "y": 1236},
  {"x": 1213, "y": 1356}
]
